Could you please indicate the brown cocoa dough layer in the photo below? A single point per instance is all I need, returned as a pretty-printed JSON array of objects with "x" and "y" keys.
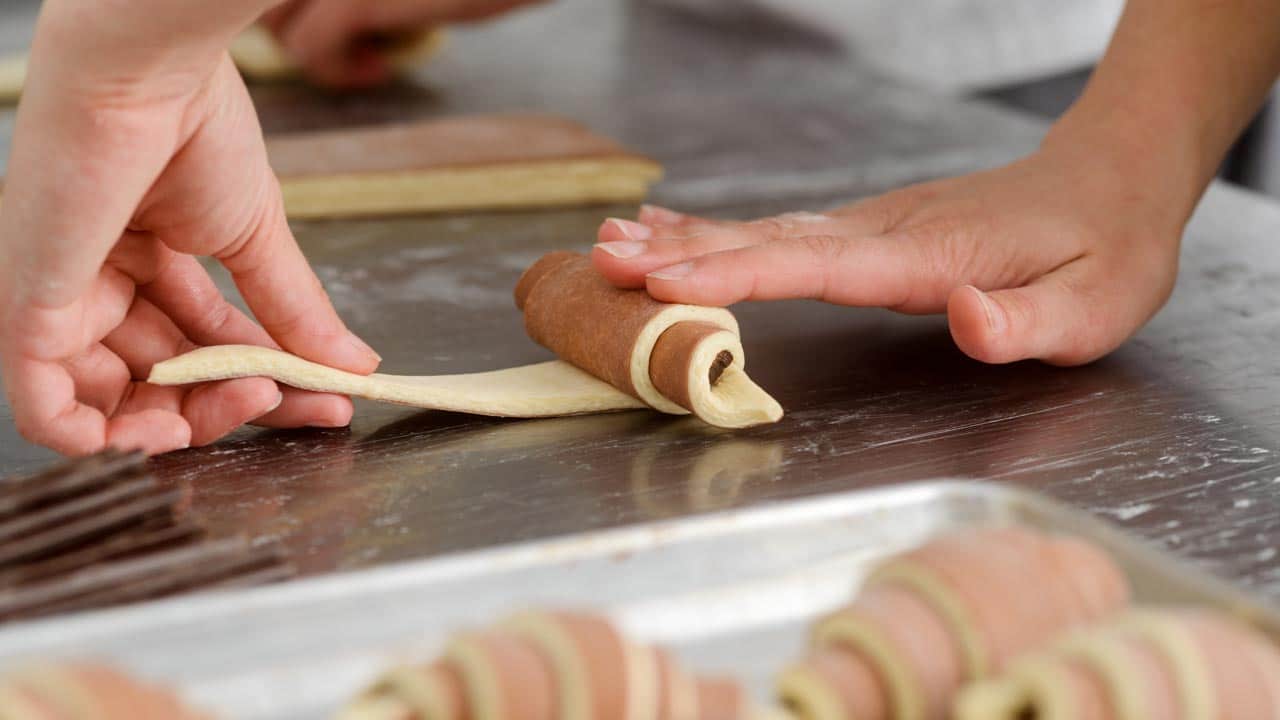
[
  {"x": 678, "y": 359},
  {"x": 469, "y": 141},
  {"x": 573, "y": 311},
  {"x": 591, "y": 661},
  {"x": 1188, "y": 663},
  {"x": 669, "y": 365},
  {"x": 507, "y": 677}
]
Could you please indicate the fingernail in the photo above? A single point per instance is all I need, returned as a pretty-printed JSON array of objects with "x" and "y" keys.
[
  {"x": 274, "y": 405},
  {"x": 632, "y": 230},
  {"x": 659, "y": 215},
  {"x": 623, "y": 248},
  {"x": 675, "y": 272},
  {"x": 996, "y": 320}
]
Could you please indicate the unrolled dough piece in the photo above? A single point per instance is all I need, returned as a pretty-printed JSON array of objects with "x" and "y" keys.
[
  {"x": 256, "y": 53},
  {"x": 543, "y": 390},
  {"x": 483, "y": 162},
  {"x": 259, "y": 56},
  {"x": 675, "y": 358}
]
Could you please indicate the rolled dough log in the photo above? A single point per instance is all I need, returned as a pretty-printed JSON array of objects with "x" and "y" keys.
[
  {"x": 434, "y": 692},
  {"x": 485, "y": 162},
  {"x": 611, "y": 333},
  {"x": 1185, "y": 663},
  {"x": 86, "y": 692},
  {"x": 676, "y": 358},
  {"x": 550, "y": 665},
  {"x": 951, "y": 611},
  {"x": 256, "y": 53}
]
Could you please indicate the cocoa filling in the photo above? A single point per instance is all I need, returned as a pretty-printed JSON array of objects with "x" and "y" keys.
[{"x": 722, "y": 363}]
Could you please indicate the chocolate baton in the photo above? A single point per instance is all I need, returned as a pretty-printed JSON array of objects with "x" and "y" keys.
[{"x": 678, "y": 359}]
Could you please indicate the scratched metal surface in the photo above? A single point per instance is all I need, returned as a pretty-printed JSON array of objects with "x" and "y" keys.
[{"x": 1175, "y": 437}]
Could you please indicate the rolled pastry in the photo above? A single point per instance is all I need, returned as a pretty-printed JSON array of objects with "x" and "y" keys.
[
  {"x": 675, "y": 358},
  {"x": 619, "y": 349},
  {"x": 947, "y": 613},
  {"x": 1193, "y": 664},
  {"x": 86, "y": 692},
  {"x": 550, "y": 666}
]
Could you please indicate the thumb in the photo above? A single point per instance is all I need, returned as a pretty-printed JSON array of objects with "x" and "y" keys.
[{"x": 1068, "y": 317}]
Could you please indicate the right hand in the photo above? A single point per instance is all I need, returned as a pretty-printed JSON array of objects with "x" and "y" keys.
[
  {"x": 136, "y": 149},
  {"x": 1059, "y": 256},
  {"x": 330, "y": 38}
]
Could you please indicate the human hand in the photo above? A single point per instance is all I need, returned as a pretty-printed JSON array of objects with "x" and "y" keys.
[
  {"x": 345, "y": 44},
  {"x": 1056, "y": 257},
  {"x": 131, "y": 157}
]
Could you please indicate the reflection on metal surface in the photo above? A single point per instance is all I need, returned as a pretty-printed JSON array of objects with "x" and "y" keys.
[{"x": 711, "y": 474}]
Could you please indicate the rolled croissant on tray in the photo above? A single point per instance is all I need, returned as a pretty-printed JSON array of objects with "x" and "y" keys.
[
  {"x": 951, "y": 612},
  {"x": 86, "y": 692},
  {"x": 1187, "y": 663},
  {"x": 553, "y": 665}
]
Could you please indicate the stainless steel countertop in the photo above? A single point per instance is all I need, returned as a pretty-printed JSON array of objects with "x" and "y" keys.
[{"x": 1176, "y": 436}]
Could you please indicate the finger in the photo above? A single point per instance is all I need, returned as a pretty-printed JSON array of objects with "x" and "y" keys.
[
  {"x": 42, "y": 396},
  {"x": 867, "y": 272},
  {"x": 657, "y": 216},
  {"x": 287, "y": 298},
  {"x": 1068, "y": 317},
  {"x": 320, "y": 37},
  {"x": 308, "y": 409},
  {"x": 210, "y": 410},
  {"x": 215, "y": 409},
  {"x": 145, "y": 337},
  {"x": 277, "y": 17},
  {"x": 152, "y": 431},
  {"x": 148, "y": 336},
  {"x": 51, "y": 333},
  {"x": 185, "y": 293},
  {"x": 101, "y": 378},
  {"x": 627, "y": 251}
]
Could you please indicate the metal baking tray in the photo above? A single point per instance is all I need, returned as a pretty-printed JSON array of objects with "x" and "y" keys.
[{"x": 731, "y": 592}]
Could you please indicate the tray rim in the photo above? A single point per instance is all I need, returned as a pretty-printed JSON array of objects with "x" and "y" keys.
[{"x": 634, "y": 538}]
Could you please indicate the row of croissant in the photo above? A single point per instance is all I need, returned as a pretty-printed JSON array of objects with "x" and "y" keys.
[{"x": 999, "y": 624}]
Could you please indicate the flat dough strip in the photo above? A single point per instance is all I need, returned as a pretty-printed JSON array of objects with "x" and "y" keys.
[
  {"x": 543, "y": 390},
  {"x": 477, "y": 162}
]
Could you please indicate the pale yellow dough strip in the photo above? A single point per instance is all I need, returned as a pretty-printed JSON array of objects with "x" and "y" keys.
[{"x": 543, "y": 390}]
